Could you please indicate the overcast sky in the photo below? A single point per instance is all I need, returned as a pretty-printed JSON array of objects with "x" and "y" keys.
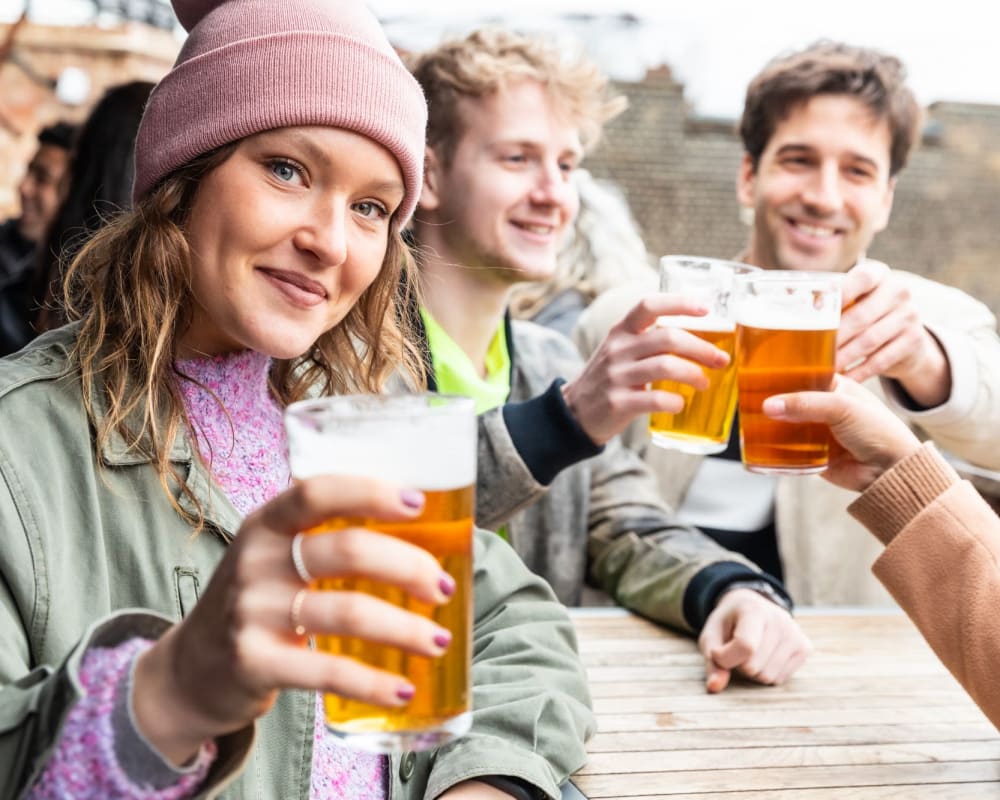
[{"x": 951, "y": 48}]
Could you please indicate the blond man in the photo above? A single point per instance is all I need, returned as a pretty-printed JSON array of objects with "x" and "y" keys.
[{"x": 511, "y": 118}]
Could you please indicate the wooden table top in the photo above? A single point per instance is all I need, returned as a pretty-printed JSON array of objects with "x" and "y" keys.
[{"x": 872, "y": 715}]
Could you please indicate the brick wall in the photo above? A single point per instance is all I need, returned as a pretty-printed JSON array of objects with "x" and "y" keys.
[
  {"x": 679, "y": 174},
  {"x": 109, "y": 56}
]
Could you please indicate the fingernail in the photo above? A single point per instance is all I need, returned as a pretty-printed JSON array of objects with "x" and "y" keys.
[
  {"x": 412, "y": 498},
  {"x": 446, "y": 584},
  {"x": 406, "y": 692},
  {"x": 443, "y": 638},
  {"x": 774, "y": 406}
]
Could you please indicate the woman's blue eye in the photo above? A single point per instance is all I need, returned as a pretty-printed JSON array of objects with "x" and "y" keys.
[
  {"x": 284, "y": 171},
  {"x": 370, "y": 209}
]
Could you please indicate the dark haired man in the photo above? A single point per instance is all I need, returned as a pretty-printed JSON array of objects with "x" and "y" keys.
[
  {"x": 40, "y": 195},
  {"x": 826, "y": 132}
]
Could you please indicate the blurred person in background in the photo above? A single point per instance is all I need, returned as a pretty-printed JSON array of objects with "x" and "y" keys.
[
  {"x": 98, "y": 187},
  {"x": 604, "y": 250},
  {"x": 827, "y": 132},
  {"x": 40, "y": 192}
]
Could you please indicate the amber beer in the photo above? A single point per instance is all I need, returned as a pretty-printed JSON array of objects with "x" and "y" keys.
[
  {"x": 704, "y": 424},
  {"x": 785, "y": 342},
  {"x": 426, "y": 442}
]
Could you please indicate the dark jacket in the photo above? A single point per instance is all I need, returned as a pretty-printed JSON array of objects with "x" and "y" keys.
[{"x": 16, "y": 257}]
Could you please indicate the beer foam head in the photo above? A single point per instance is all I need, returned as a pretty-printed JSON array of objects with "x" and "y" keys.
[
  {"x": 788, "y": 300},
  {"x": 710, "y": 322},
  {"x": 423, "y": 441}
]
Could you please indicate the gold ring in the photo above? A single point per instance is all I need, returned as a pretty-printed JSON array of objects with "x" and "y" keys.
[
  {"x": 298, "y": 562},
  {"x": 296, "y": 610}
]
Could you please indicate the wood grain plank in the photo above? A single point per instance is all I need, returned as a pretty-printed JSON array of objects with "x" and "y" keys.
[
  {"x": 818, "y": 687},
  {"x": 948, "y": 791},
  {"x": 765, "y": 700},
  {"x": 645, "y": 741},
  {"x": 642, "y": 784},
  {"x": 766, "y": 718},
  {"x": 848, "y": 668},
  {"x": 793, "y": 756}
]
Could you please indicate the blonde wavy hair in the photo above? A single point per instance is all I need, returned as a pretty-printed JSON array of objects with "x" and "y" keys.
[
  {"x": 130, "y": 287},
  {"x": 486, "y": 60}
]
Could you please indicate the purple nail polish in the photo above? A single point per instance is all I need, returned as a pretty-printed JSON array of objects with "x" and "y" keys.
[
  {"x": 446, "y": 584},
  {"x": 412, "y": 498},
  {"x": 442, "y": 639},
  {"x": 406, "y": 692}
]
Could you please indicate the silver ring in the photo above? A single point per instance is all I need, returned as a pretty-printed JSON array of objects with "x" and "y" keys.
[
  {"x": 296, "y": 611},
  {"x": 298, "y": 562}
]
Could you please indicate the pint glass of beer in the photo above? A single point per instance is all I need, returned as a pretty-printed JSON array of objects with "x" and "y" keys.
[
  {"x": 786, "y": 335},
  {"x": 703, "y": 425},
  {"x": 426, "y": 442}
]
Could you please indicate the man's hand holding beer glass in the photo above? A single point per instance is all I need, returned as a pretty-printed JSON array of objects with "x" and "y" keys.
[
  {"x": 704, "y": 424},
  {"x": 612, "y": 389},
  {"x": 881, "y": 333}
]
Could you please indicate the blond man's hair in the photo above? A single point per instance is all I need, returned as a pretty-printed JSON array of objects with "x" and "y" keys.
[{"x": 487, "y": 60}]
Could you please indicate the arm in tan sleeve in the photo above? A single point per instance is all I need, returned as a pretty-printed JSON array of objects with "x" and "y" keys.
[{"x": 942, "y": 565}]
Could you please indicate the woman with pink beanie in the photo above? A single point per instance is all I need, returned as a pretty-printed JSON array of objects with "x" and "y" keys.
[
  {"x": 152, "y": 612},
  {"x": 942, "y": 540}
]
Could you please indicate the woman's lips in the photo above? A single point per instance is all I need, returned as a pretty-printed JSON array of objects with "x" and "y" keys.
[{"x": 300, "y": 290}]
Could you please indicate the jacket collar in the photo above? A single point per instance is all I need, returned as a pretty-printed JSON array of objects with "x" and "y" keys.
[{"x": 116, "y": 450}]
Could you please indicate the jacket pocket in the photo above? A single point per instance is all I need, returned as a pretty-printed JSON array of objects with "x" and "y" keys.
[
  {"x": 185, "y": 589},
  {"x": 21, "y": 699}
]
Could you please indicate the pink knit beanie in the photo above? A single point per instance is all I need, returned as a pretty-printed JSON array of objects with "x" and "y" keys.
[{"x": 255, "y": 65}]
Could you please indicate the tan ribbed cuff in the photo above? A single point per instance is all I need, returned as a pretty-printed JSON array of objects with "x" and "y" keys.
[{"x": 889, "y": 504}]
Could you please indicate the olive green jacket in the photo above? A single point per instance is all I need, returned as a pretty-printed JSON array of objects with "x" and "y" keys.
[{"x": 93, "y": 555}]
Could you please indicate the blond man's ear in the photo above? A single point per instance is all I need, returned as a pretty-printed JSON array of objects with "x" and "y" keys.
[{"x": 429, "y": 197}]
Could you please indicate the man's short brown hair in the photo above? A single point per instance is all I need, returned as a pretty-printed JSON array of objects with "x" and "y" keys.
[
  {"x": 875, "y": 79},
  {"x": 486, "y": 60}
]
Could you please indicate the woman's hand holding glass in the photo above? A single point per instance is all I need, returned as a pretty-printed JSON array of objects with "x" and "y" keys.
[
  {"x": 224, "y": 664},
  {"x": 872, "y": 437}
]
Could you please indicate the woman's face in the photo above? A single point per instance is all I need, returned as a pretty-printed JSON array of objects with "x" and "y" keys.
[{"x": 285, "y": 235}]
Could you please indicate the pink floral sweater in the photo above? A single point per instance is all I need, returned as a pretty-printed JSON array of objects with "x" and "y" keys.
[{"x": 238, "y": 429}]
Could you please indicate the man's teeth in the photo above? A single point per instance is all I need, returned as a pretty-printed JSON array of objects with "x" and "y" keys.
[
  {"x": 812, "y": 230},
  {"x": 539, "y": 229}
]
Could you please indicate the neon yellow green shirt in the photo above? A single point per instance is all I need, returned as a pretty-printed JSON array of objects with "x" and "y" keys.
[{"x": 455, "y": 373}]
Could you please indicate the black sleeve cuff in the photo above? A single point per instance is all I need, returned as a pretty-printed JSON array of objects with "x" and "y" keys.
[
  {"x": 547, "y": 435},
  {"x": 705, "y": 587},
  {"x": 515, "y": 787}
]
